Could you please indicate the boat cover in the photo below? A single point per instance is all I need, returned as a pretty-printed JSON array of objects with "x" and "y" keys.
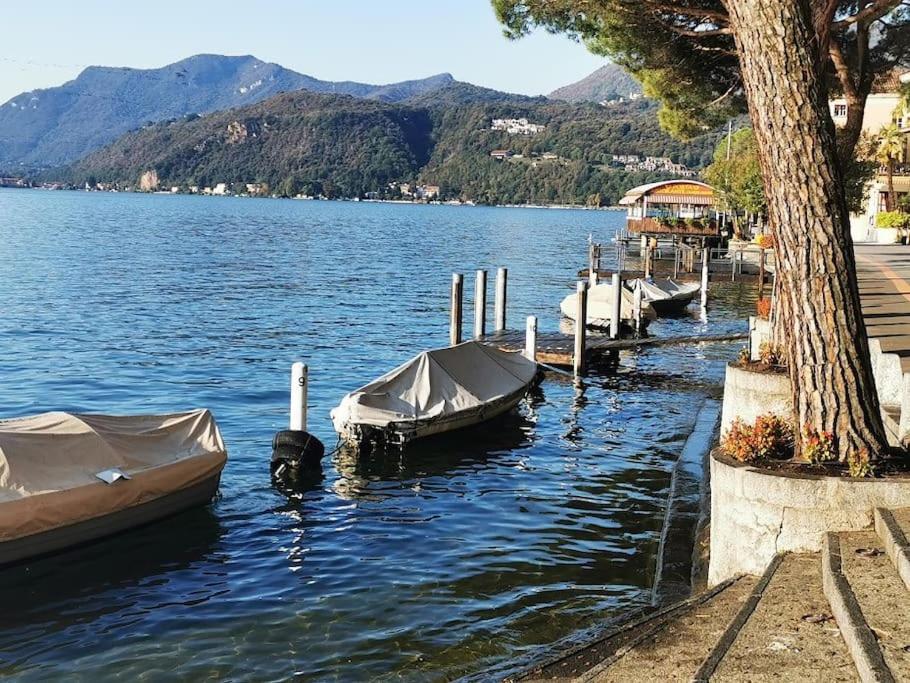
[
  {"x": 435, "y": 384},
  {"x": 660, "y": 290},
  {"x": 600, "y": 308},
  {"x": 50, "y": 464}
]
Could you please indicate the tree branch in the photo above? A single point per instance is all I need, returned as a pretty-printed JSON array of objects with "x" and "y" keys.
[
  {"x": 683, "y": 10},
  {"x": 870, "y": 13},
  {"x": 842, "y": 70}
]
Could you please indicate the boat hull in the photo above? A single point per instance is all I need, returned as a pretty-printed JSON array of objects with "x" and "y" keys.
[
  {"x": 85, "y": 531},
  {"x": 404, "y": 432}
]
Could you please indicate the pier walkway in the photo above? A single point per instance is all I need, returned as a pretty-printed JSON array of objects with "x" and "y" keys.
[{"x": 557, "y": 348}]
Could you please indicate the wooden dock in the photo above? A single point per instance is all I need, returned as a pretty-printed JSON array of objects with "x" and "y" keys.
[{"x": 557, "y": 348}]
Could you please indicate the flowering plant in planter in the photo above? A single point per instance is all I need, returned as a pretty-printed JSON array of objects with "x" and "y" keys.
[
  {"x": 818, "y": 447},
  {"x": 763, "y": 308},
  {"x": 769, "y": 354},
  {"x": 765, "y": 241},
  {"x": 770, "y": 437}
]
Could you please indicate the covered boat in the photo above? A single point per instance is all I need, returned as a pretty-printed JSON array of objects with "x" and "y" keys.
[
  {"x": 434, "y": 392},
  {"x": 668, "y": 296},
  {"x": 66, "y": 479},
  {"x": 600, "y": 307}
]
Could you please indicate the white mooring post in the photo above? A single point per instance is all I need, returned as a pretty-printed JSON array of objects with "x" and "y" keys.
[
  {"x": 480, "y": 304},
  {"x": 581, "y": 319},
  {"x": 456, "y": 314},
  {"x": 531, "y": 338},
  {"x": 299, "y": 381},
  {"x": 705, "y": 259},
  {"x": 616, "y": 303},
  {"x": 499, "y": 310},
  {"x": 636, "y": 307}
]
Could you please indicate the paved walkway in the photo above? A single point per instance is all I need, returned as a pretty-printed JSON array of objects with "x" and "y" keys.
[{"x": 883, "y": 274}]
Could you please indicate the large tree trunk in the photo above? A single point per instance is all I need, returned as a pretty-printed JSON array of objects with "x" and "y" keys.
[{"x": 827, "y": 349}]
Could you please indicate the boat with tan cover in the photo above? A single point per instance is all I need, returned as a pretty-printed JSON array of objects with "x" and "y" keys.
[{"x": 66, "y": 479}]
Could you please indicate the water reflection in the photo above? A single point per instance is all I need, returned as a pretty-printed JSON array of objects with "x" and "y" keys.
[
  {"x": 470, "y": 448},
  {"x": 163, "y": 566}
]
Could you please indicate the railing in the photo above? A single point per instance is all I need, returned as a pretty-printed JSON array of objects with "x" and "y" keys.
[{"x": 654, "y": 226}]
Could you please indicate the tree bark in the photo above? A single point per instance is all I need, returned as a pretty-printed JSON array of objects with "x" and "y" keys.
[
  {"x": 827, "y": 349},
  {"x": 889, "y": 200}
]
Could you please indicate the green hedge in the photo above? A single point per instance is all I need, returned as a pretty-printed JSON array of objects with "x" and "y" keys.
[{"x": 892, "y": 219}]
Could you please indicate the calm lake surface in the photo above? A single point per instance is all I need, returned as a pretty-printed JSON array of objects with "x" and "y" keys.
[{"x": 450, "y": 561}]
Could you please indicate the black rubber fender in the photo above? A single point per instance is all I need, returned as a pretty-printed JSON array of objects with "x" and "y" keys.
[{"x": 296, "y": 450}]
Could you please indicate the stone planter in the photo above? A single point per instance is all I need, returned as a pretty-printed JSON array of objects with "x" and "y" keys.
[
  {"x": 749, "y": 393},
  {"x": 756, "y": 513},
  {"x": 886, "y": 235}
]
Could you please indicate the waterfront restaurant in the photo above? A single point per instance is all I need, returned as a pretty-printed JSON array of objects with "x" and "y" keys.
[{"x": 678, "y": 208}]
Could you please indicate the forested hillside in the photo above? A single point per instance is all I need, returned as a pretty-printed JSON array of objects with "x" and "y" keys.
[{"x": 339, "y": 146}]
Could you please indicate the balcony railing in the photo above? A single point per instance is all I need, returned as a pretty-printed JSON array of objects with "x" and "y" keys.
[{"x": 672, "y": 226}]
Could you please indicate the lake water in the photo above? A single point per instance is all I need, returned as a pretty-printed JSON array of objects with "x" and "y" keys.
[{"x": 449, "y": 561}]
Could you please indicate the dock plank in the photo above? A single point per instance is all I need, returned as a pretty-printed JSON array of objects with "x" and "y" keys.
[{"x": 557, "y": 348}]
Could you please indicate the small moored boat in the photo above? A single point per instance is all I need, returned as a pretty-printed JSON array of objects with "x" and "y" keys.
[
  {"x": 668, "y": 296},
  {"x": 434, "y": 392},
  {"x": 66, "y": 479},
  {"x": 600, "y": 307}
]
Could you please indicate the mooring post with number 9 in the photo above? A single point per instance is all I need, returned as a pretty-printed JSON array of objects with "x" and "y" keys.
[{"x": 299, "y": 381}]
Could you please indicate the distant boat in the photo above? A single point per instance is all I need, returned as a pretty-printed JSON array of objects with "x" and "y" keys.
[
  {"x": 600, "y": 307},
  {"x": 434, "y": 392},
  {"x": 66, "y": 479},
  {"x": 668, "y": 296}
]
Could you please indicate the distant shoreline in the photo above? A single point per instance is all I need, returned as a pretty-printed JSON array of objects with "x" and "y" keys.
[{"x": 574, "y": 207}]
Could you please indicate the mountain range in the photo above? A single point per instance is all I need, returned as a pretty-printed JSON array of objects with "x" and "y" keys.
[
  {"x": 211, "y": 119},
  {"x": 341, "y": 146},
  {"x": 59, "y": 125},
  {"x": 609, "y": 82},
  {"x": 55, "y": 126}
]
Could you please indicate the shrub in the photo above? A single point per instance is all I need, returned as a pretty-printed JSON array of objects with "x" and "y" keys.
[
  {"x": 860, "y": 464},
  {"x": 892, "y": 219},
  {"x": 769, "y": 437},
  {"x": 769, "y": 354},
  {"x": 818, "y": 446},
  {"x": 763, "y": 308}
]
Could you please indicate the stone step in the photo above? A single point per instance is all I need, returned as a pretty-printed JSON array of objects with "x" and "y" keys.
[
  {"x": 791, "y": 635},
  {"x": 683, "y": 634},
  {"x": 893, "y": 527},
  {"x": 867, "y": 597},
  {"x": 678, "y": 650}
]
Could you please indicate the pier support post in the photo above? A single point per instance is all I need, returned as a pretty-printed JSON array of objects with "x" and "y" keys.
[
  {"x": 480, "y": 304},
  {"x": 531, "y": 338},
  {"x": 581, "y": 321},
  {"x": 647, "y": 263},
  {"x": 616, "y": 303},
  {"x": 502, "y": 281},
  {"x": 636, "y": 308},
  {"x": 299, "y": 381},
  {"x": 456, "y": 314},
  {"x": 675, "y": 260},
  {"x": 593, "y": 263},
  {"x": 705, "y": 262}
]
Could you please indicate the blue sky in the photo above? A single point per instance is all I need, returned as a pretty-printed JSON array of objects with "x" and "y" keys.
[{"x": 47, "y": 43}]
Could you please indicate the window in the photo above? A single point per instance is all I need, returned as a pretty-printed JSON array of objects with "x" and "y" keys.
[{"x": 840, "y": 111}]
